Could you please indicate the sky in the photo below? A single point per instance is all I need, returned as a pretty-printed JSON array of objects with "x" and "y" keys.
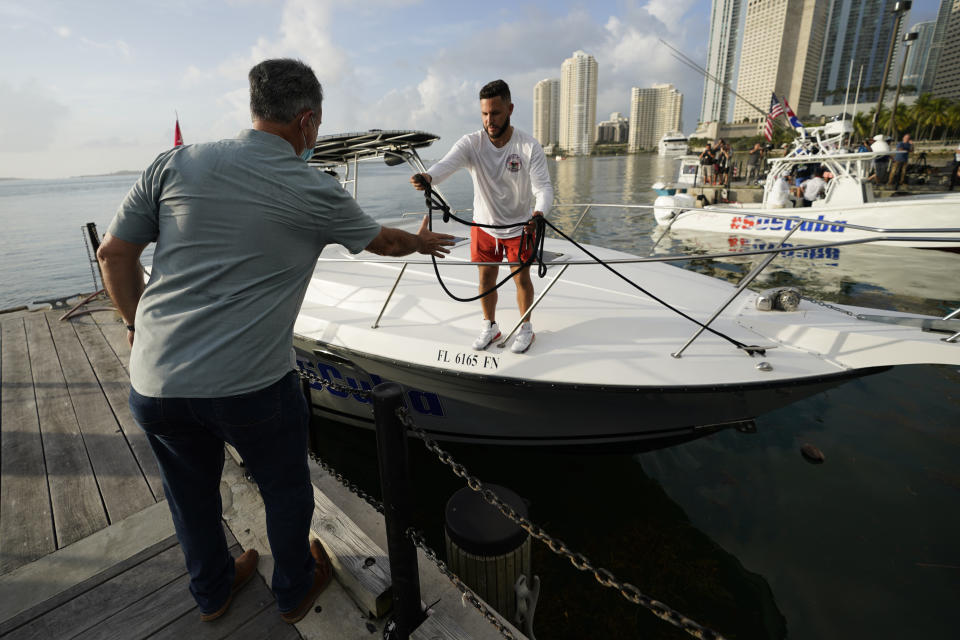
[{"x": 93, "y": 87}]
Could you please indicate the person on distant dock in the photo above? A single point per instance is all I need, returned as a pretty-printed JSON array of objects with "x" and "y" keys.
[
  {"x": 754, "y": 160},
  {"x": 510, "y": 181},
  {"x": 707, "y": 162},
  {"x": 239, "y": 224},
  {"x": 901, "y": 158},
  {"x": 955, "y": 169}
]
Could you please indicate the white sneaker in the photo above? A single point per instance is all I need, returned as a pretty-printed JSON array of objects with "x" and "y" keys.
[
  {"x": 488, "y": 334},
  {"x": 524, "y": 338}
]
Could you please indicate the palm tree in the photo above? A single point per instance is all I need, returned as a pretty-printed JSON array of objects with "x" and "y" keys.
[
  {"x": 951, "y": 119},
  {"x": 920, "y": 110},
  {"x": 903, "y": 121},
  {"x": 861, "y": 124}
]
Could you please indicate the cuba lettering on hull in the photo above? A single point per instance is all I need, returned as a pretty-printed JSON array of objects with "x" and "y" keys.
[
  {"x": 424, "y": 403},
  {"x": 830, "y": 255},
  {"x": 753, "y": 223}
]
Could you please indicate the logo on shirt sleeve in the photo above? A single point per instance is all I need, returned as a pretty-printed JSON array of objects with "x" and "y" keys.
[{"x": 514, "y": 162}]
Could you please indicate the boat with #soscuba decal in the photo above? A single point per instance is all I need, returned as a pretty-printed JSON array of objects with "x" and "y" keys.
[
  {"x": 627, "y": 348},
  {"x": 849, "y": 209}
]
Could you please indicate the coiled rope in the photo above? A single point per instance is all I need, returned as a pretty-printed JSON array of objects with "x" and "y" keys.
[{"x": 435, "y": 202}]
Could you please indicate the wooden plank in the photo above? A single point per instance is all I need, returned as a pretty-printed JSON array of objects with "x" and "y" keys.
[
  {"x": 122, "y": 484},
  {"x": 26, "y": 522},
  {"x": 115, "y": 333},
  {"x": 351, "y": 552},
  {"x": 437, "y": 627},
  {"x": 115, "y": 383},
  {"x": 266, "y": 624},
  {"x": 254, "y": 599},
  {"x": 359, "y": 564},
  {"x": 141, "y": 618},
  {"x": 97, "y": 603},
  {"x": 77, "y": 507},
  {"x": 37, "y": 582}
]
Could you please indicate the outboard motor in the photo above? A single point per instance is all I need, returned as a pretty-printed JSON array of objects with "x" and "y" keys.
[{"x": 666, "y": 208}]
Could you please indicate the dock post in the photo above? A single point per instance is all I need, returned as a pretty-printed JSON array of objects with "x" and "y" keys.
[
  {"x": 397, "y": 507},
  {"x": 487, "y": 549}
]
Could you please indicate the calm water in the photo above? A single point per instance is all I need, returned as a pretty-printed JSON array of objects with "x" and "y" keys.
[{"x": 736, "y": 529}]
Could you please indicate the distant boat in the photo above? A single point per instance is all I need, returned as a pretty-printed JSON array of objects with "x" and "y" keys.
[{"x": 673, "y": 143}]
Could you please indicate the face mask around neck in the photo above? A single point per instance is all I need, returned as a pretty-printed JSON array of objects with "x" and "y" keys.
[{"x": 307, "y": 152}]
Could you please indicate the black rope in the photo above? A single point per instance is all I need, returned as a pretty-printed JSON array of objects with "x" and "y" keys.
[{"x": 435, "y": 202}]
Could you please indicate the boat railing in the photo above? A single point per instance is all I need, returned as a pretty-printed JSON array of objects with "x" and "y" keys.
[
  {"x": 399, "y": 147},
  {"x": 768, "y": 253}
]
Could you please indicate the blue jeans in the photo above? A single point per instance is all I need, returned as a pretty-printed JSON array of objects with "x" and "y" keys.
[{"x": 269, "y": 429}]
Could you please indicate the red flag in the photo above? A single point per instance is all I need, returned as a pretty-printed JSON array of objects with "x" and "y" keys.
[{"x": 177, "y": 138}]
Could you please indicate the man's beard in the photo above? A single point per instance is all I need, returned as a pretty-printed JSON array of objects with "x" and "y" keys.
[{"x": 500, "y": 131}]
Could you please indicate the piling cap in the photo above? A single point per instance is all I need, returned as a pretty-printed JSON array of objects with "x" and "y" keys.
[{"x": 478, "y": 527}]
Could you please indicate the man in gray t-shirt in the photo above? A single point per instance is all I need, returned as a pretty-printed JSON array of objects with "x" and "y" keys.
[{"x": 238, "y": 226}]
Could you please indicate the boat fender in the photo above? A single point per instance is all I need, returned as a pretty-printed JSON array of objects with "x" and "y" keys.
[
  {"x": 779, "y": 299},
  {"x": 666, "y": 208}
]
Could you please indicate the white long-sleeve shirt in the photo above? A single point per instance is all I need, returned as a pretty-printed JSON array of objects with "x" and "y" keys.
[{"x": 509, "y": 183}]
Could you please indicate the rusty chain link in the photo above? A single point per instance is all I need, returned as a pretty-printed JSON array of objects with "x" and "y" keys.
[{"x": 578, "y": 560}]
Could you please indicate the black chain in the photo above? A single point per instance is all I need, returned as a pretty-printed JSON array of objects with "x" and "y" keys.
[
  {"x": 827, "y": 305},
  {"x": 578, "y": 560},
  {"x": 336, "y": 475}
]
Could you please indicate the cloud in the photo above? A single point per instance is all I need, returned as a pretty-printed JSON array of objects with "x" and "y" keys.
[
  {"x": 669, "y": 12},
  {"x": 28, "y": 117},
  {"x": 118, "y": 46},
  {"x": 63, "y": 32}
]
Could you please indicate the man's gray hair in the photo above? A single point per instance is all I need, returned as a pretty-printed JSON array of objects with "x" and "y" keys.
[{"x": 282, "y": 88}]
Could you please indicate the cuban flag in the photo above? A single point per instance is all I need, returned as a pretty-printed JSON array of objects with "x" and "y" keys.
[
  {"x": 792, "y": 117},
  {"x": 775, "y": 110}
]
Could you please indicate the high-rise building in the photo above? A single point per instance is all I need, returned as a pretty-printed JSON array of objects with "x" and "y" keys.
[
  {"x": 782, "y": 44},
  {"x": 614, "y": 130},
  {"x": 653, "y": 112},
  {"x": 722, "y": 47},
  {"x": 578, "y": 103},
  {"x": 918, "y": 58},
  {"x": 857, "y": 36},
  {"x": 936, "y": 48},
  {"x": 947, "y": 82},
  {"x": 546, "y": 111}
]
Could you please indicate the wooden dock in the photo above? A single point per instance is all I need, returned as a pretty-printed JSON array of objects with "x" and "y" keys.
[{"x": 86, "y": 541}]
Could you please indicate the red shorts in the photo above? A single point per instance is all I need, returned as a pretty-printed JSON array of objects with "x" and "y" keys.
[{"x": 486, "y": 248}]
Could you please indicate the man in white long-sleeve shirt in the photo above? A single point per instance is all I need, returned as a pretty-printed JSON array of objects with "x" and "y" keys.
[{"x": 510, "y": 185}]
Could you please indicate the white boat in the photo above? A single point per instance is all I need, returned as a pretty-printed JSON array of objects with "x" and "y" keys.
[
  {"x": 848, "y": 208},
  {"x": 673, "y": 143},
  {"x": 610, "y": 362}
]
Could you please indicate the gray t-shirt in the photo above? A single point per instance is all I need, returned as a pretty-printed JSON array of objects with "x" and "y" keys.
[{"x": 239, "y": 225}]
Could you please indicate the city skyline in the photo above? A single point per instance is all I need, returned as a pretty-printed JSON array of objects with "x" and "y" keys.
[{"x": 95, "y": 85}]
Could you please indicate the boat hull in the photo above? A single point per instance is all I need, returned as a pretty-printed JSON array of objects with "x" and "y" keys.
[
  {"x": 499, "y": 410},
  {"x": 822, "y": 223}
]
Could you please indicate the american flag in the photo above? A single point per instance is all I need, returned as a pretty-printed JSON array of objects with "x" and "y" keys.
[{"x": 775, "y": 110}]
